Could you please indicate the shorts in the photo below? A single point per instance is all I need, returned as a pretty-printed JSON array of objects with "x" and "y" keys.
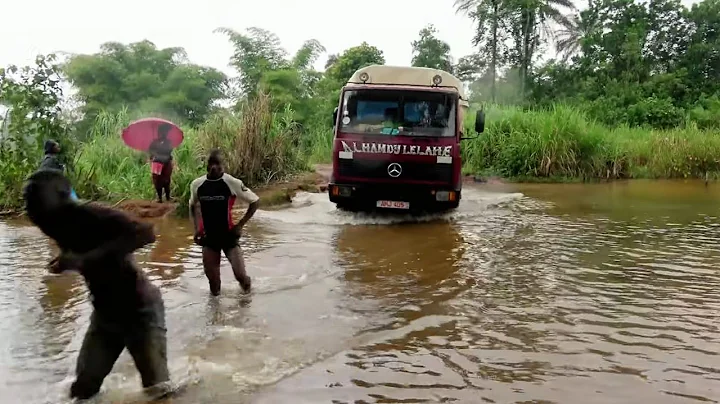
[{"x": 220, "y": 243}]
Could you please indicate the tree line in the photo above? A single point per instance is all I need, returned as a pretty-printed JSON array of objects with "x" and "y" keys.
[
  {"x": 654, "y": 63},
  {"x": 622, "y": 63}
]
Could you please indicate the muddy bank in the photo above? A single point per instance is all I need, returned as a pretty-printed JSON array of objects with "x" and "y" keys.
[
  {"x": 146, "y": 209},
  {"x": 274, "y": 195},
  {"x": 281, "y": 193}
]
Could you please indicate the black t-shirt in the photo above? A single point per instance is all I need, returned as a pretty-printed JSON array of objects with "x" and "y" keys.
[
  {"x": 51, "y": 162},
  {"x": 161, "y": 151},
  {"x": 216, "y": 198}
]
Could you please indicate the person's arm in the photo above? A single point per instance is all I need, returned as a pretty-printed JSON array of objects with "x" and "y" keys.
[
  {"x": 248, "y": 214},
  {"x": 193, "y": 204},
  {"x": 52, "y": 162},
  {"x": 152, "y": 150},
  {"x": 130, "y": 236},
  {"x": 245, "y": 194},
  {"x": 60, "y": 166}
]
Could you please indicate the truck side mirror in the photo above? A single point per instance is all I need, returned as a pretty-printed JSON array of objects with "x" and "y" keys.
[
  {"x": 335, "y": 111},
  {"x": 480, "y": 121}
]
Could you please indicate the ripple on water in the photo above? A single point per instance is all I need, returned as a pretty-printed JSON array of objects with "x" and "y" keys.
[
  {"x": 542, "y": 307},
  {"x": 508, "y": 299}
]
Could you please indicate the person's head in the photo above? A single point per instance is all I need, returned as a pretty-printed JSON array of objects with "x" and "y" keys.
[
  {"x": 164, "y": 130},
  {"x": 390, "y": 114},
  {"x": 215, "y": 164},
  {"x": 45, "y": 191},
  {"x": 51, "y": 147}
]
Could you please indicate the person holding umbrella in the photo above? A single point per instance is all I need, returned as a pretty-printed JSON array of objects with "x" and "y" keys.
[
  {"x": 161, "y": 162},
  {"x": 157, "y": 137}
]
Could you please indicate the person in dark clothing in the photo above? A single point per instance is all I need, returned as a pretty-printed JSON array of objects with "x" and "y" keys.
[
  {"x": 51, "y": 160},
  {"x": 128, "y": 310},
  {"x": 161, "y": 162},
  {"x": 215, "y": 194}
]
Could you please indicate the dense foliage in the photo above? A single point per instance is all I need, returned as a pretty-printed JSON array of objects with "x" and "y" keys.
[
  {"x": 654, "y": 64},
  {"x": 143, "y": 78},
  {"x": 634, "y": 91}
]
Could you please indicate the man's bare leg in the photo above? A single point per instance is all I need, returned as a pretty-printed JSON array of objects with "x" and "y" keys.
[
  {"x": 234, "y": 255},
  {"x": 211, "y": 265}
]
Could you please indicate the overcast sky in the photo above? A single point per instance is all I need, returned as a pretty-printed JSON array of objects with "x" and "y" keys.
[{"x": 80, "y": 26}]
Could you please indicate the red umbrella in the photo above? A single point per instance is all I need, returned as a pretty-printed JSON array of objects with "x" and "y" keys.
[{"x": 141, "y": 133}]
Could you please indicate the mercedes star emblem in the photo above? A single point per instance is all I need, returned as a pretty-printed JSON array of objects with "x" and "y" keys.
[{"x": 394, "y": 170}]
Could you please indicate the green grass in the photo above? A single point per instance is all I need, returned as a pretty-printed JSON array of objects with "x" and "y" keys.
[
  {"x": 260, "y": 147},
  {"x": 563, "y": 143}
]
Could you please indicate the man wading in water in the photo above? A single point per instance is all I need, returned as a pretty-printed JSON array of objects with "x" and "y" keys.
[
  {"x": 128, "y": 310},
  {"x": 216, "y": 194}
]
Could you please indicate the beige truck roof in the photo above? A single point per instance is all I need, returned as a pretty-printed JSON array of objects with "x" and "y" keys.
[{"x": 413, "y": 76}]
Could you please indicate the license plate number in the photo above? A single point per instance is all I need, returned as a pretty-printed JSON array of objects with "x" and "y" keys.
[{"x": 393, "y": 204}]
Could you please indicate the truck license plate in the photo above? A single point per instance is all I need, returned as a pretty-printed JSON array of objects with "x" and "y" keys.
[{"x": 393, "y": 204}]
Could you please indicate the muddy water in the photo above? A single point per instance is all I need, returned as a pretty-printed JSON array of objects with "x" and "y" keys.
[{"x": 543, "y": 293}]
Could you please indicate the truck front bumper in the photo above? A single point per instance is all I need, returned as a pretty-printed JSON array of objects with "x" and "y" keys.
[{"x": 419, "y": 197}]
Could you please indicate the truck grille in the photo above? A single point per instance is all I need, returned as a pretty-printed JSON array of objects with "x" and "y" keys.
[{"x": 410, "y": 170}]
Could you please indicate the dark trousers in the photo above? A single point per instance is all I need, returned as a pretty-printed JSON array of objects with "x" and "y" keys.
[
  {"x": 144, "y": 336},
  {"x": 161, "y": 182}
]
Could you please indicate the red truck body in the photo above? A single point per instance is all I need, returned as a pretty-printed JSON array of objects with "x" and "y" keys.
[{"x": 407, "y": 159}]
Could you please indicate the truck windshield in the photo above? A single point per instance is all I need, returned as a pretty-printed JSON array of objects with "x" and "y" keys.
[{"x": 392, "y": 112}]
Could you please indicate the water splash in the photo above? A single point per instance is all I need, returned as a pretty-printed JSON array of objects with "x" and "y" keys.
[{"x": 316, "y": 209}]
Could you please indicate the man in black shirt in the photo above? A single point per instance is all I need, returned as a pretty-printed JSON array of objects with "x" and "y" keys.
[
  {"x": 216, "y": 193},
  {"x": 51, "y": 159}
]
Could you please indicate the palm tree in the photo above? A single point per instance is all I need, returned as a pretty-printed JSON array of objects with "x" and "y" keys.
[
  {"x": 481, "y": 11},
  {"x": 536, "y": 17},
  {"x": 569, "y": 36}
]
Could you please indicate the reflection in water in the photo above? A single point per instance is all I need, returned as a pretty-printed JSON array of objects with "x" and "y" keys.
[
  {"x": 604, "y": 293},
  {"x": 39, "y": 310},
  {"x": 409, "y": 267},
  {"x": 164, "y": 260},
  {"x": 62, "y": 294},
  {"x": 626, "y": 202},
  {"x": 598, "y": 305}
]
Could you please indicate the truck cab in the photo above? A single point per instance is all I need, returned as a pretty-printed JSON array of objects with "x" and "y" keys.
[{"x": 397, "y": 133}]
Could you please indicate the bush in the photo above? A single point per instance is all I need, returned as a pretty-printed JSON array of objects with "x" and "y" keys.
[
  {"x": 258, "y": 147},
  {"x": 563, "y": 142}
]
